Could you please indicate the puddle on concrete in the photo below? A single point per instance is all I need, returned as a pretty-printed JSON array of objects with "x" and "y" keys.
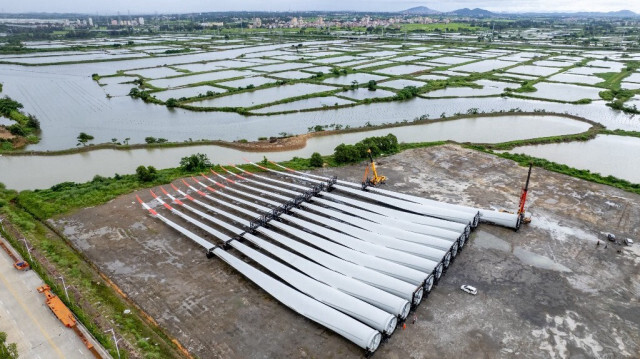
[
  {"x": 489, "y": 241},
  {"x": 537, "y": 260}
]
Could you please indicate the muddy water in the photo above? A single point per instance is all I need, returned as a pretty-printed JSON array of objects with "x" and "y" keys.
[
  {"x": 29, "y": 172},
  {"x": 608, "y": 155}
]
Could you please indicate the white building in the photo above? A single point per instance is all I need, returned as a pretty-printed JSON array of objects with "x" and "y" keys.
[{"x": 141, "y": 20}]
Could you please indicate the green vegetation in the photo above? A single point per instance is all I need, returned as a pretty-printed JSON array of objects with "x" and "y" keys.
[
  {"x": 378, "y": 145},
  {"x": 26, "y": 125},
  {"x": 172, "y": 102},
  {"x": 145, "y": 174},
  {"x": 7, "y": 351},
  {"x": 92, "y": 297},
  {"x": 527, "y": 86},
  {"x": 407, "y": 93},
  {"x": 83, "y": 138},
  {"x": 195, "y": 162},
  {"x": 151, "y": 140},
  {"x": 316, "y": 160}
]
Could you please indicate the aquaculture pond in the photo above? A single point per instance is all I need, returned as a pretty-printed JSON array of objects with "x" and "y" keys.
[
  {"x": 259, "y": 97},
  {"x": 606, "y": 154}
]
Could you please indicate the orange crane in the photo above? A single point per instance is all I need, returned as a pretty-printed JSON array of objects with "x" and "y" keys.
[
  {"x": 17, "y": 264},
  {"x": 376, "y": 180},
  {"x": 63, "y": 313}
]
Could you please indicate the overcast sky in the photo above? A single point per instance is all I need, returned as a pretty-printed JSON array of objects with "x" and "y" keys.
[{"x": 183, "y": 6}]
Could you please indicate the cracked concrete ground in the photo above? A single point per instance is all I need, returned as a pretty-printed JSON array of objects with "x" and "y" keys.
[{"x": 545, "y": 291}]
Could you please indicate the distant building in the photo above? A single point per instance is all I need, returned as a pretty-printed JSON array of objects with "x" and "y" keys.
[
  {"x": 257, "y": 22},
  {"x": 141, "y": 20},
  {"x": 212, "y": 24},
  {"x": 294, "y": 22},
  {"x": 114, "y": 22},
  {"x": 90, "y": 21}
]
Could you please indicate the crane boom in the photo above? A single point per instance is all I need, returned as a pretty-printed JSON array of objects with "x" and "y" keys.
[
  {"x": 376, "y": 180},
  {"x": 523, "y": 196}
]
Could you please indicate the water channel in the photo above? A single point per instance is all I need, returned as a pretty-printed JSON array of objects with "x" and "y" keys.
[{"x": 30, "y": 172}]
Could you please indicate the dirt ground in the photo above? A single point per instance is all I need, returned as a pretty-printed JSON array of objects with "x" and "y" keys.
[{"x": 545, "y": 291}]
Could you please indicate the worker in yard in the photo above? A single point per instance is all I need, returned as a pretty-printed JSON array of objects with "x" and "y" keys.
[
  {"x": 415, "y": 317},
  {"x": 598, "y": 244},
  {"x": 404, "y": 326}
]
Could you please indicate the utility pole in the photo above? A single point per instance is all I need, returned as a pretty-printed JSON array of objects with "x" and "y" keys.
[
  {"x": 115, "y": 340},
  {"x": 65, "y": 287}
]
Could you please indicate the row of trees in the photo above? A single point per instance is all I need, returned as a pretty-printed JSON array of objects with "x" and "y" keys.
[{"x": 378, "y": 145}]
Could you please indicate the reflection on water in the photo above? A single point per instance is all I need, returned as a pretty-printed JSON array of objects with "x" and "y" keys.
[{"x": 28, "y": 172}]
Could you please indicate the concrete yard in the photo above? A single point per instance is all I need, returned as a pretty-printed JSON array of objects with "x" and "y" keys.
[
  {"x": 546, "y": 291},
  {"x": 28, "y": 321}
]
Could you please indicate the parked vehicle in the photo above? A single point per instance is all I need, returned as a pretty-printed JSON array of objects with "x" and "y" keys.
[
  {"x": 628, "y": 241},
  {"x": 469, "y": 289}
]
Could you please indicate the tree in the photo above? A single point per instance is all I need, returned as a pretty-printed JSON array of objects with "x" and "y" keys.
[
  {"x": 150, "y": 139},
  {"x": 7, "y": 351},
  {"x": 372, "y": 85},
  {"x": 126, "y": 141},
  {"x": 146, "y": 174},
  {"x": 354, "y": 84},
  {"x": 198, "y": 161},
  {"x": 33, "y": 122},
  {"x": 172, "y": 102},
  {"x": 17, "y": 130},
  {"x": 316, "y": 160},
  {"x": 83, "y": 138}
]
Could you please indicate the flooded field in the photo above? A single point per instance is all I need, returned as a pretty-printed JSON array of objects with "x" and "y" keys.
[
  {"x": 193, "y": 79},
  {"x": 185, "y": 92},
  {"x": 348, "y": 79},
  {"x": 314, "y": 102},
  {"x": 18, "y": 170},
  {"x": 606, "y": 155},
  {"x": 563, "y": 92},
  {"x": 403, "y": 69},
  {"x": 489, "y": 88},
  {"x": 67, "y": 101},
  {"x": 259, "y": 97}
]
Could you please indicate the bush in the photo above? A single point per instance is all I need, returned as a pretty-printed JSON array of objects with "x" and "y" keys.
[
  {"x": 17, "y": 130},
  {"x": 198, "y": 161},
  {"x": 83, "y": 138},
  {"x": 316, "y": 160},
  {"x": 61, "y": 186},
  {"x": 146, "y": 174},
  {"x": 372, "y": 85},
  {"x": 172, "y": 102},
  {"x": 150, "y": 139},
  {"x": 345, "y": 153},
  {"x": 407, "y": 93},
  {"x": 33, "y": 122}
]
